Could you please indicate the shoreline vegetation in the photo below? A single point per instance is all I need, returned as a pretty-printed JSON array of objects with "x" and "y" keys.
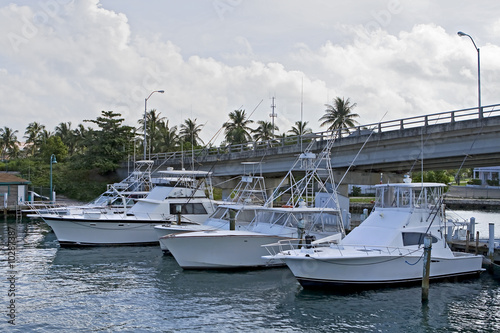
[{"x": 83, "y": 160}]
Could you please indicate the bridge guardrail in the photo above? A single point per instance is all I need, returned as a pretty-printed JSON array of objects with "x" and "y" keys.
[{"x": 384, "y": 126}]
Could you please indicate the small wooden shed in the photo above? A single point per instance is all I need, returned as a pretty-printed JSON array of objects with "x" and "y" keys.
[{"x": 13, "y": 190}]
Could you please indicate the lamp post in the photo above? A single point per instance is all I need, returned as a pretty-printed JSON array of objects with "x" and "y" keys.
[
  {"x": 480, "y": 110},
  {"x": 52, "y": 160},
  {"x": 145, "y": 111}
]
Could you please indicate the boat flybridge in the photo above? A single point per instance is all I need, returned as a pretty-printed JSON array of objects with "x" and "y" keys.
[
  {"x": 310, "y": 208},
  {"x": 176, "y": 194},
  {"x": 386, "y": 248},
  {"x": 118, "y": 197},
  {"x": 237, "y": 211}
]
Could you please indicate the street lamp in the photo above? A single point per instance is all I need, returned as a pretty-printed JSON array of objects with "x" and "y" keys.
[
  {"x": 52, "y": 160},
  {"x": 145, "y": 111},
  {"x": 462, "y": 34}
]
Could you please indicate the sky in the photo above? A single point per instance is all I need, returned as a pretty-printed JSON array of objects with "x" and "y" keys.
[{"x": 68, "y": 60}]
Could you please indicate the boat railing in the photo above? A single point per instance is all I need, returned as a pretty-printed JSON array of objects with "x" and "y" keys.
[
  {"x": 351, "y": 133},
  {"x": 106, "y": 214},
  {"x": 285, "y": 247},
  {"x": 41, "y": 207},
  {"x": 457, "y": 226},
  {"x": 374, "y": 249}
]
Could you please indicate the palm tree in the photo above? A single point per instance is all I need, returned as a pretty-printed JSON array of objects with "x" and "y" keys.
[
  {"x": 300, "y": 128},
  {"x": 190, "y": 132},
  {"x": 81, "y": 134},
  {"x": 265, "y": 131},
  {"x": 339, "y": 115},
  {"x": 44, "y": 135},
  {"x": 8, "y": 142},
  {"x": 33, "y": 136},
  {"x": 167, "y": 137},
  {"x": 67, "y": 135},
  {"x": 153, "y": 120},
  {"x": 236, "y": 129}
]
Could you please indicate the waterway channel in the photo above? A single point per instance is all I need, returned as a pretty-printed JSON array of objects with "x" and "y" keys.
[{"x": 137, "y": 289}]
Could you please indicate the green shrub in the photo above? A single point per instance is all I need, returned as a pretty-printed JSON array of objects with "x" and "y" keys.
[
  {"x": 475, "y": 181},
  {"x": 356, "y": 191},
  {"x": 492, "y": 182}
]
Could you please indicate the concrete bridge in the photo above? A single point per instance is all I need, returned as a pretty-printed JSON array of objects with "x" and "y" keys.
[{"x": 448, "y": 140}]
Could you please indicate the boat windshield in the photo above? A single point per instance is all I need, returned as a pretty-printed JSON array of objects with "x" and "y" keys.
[
  {"x": 219, "y": 213},
  {"x": 317, "y": 221},
  {"x": 224, "y": 213},
  {"x": 407, "y": 196},
  {"x": 245, "y": 215}
]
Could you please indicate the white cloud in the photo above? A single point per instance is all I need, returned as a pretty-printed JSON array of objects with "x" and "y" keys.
[{"x": 81, "y": 58}]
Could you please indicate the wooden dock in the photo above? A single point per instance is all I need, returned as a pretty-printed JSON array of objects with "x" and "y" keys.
[{"x": 474, "y": 247}]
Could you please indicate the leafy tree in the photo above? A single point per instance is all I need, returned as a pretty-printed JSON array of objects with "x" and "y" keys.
[
  {"x": 237, "y": 129},
  {"x": 190, "y": 132},
  {"x": 108, "y": 146},
  {"x": 339, "y": 115},
  {"x": 437, "y": 176},
  {"x": 264, "y": 131},
  {"x": 53, "y": 145}
]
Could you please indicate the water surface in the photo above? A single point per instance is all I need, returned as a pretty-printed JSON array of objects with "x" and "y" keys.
[{"x": 137, "y": 289}]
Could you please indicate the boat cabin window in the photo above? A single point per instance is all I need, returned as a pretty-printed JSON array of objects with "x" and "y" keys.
[
  {"x": 188, "y": 208},
  {"x": 415, "y": 238}
]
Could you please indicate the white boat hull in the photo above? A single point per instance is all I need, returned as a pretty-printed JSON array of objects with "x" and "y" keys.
[
  {"x": 162, "y": 231},
  {"x": 376, "y": 270},
  {"x": 94, "y": 233},
  {"x": 221, "y": 250}
]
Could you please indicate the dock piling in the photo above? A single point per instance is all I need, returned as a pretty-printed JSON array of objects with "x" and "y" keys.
[
  {"x": 472, "y": 227},
  {"x": 467, "y": 241},
  {"x": 477, "y": 243},
  {"x": 491, "y": 241},
  {"x": 426, "y": 270}
]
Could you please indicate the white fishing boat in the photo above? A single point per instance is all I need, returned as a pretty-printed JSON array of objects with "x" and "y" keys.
[
  {"x": 240, "y": 209},
  {"x": 312, "y": 209},
  {"x": 118, "y": 197},
  {"x": 242, "y": 248},
  {"x": 179, "y": 194},
  {"x": 387, "y": 248}
]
